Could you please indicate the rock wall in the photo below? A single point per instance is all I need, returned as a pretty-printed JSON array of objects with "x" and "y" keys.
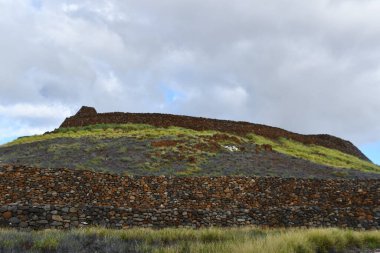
[
  {"x": 89, "y": 116},
  {"x": 64, "y": 217},
  {"x": 63, "y": 198}
]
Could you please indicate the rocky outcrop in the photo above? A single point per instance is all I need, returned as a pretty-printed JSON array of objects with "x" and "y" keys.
[
  {"x": 63, "y": 198},
  {"x": 86, "y": 111},
  {"x": 88, "y": 116}
]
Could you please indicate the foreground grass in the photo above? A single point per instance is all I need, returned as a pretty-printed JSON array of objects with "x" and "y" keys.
[
  {"x": 188, "y": 240},
  {"x": 316, "y": 154}
]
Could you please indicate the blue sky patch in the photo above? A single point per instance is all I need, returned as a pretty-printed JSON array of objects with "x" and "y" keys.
[
  {"x": 6, "y": 140},
  {"x": 372, "y": 151},
  {"x": 171, "y": 95},
  {"x": 37, "y": 4}
]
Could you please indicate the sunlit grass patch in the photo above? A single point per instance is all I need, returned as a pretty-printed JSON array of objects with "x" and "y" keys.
[
  {"x": 316, "y": 154},
  {"x": 311, "y": 241},
  {"x": 102, "y": 131}
]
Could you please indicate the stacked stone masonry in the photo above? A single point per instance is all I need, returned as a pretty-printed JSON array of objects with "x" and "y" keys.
[
  {"x": 62, "y": 198},
  {"x": 88, "y": 116}
]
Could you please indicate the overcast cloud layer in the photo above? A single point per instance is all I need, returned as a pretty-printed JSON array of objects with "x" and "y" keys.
[{"x": 306, "y": 66}]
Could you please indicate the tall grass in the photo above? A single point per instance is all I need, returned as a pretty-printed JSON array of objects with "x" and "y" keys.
[{"x": 218, "y": 240}]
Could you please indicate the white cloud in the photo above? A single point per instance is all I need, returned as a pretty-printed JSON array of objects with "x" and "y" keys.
[
  {"x": 310, "y": 67},
  {"x": 34, "y": 111},
  {"x": 70, "y": 7},
  {"x": 232, "y": 96},
  {"x": 28, "y": 119},
  {"x": 109, "y": 84},
  {"x": 16, "y": 130}
]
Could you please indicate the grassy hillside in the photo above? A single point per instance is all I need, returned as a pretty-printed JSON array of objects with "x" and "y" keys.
[
  {"x": 101, "y": 131},
  {"x": 188, "y": 240},
  {"x": 143, "y": 149},
  {"x": 316, "y": 154}
]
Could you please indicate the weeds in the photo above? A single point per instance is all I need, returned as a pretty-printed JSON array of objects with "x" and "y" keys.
[{"x": 248, "y": 239}]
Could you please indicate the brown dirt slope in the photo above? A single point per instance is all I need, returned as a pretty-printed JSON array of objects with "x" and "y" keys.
[{"x": 89, "y": 116}]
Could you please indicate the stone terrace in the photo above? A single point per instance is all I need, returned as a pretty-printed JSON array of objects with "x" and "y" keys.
[{"x": 41, "y": 198}]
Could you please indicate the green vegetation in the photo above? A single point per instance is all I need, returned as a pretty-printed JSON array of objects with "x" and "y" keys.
[
  {"x": 190, "y": 171},
  {"x": 57, "y": 148},
  {"x": 316, "y": 154},
  {"x": 218, "y": 240},
  {"x": 192, "y": 148},
  {"x": 168, "y": 145},
  {"x": 102, "y": 131}
]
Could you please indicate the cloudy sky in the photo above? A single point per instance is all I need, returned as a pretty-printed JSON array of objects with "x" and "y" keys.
[{"x": 306, "y": 66}]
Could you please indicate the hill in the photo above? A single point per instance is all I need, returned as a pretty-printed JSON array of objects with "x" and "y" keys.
[
  {"x": 122, "y": 170},
  {"x": 88, "y": 116},
  {"x": 161, "y": 144}
]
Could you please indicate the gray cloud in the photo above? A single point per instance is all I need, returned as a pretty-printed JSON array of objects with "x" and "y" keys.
[{"x": 309, "y": 67}]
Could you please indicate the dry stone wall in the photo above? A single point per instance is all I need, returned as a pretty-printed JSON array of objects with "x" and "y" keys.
[
  {"x": 62, "y": 198},
  {"x": 89, "y": 116},
  {"x": 64, "y": 217}
]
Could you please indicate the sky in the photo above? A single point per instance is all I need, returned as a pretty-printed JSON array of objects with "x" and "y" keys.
[{"x": 306, "y": 66}]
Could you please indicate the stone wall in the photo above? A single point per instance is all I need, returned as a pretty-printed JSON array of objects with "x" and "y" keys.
[
  {"x": 63, "y": 198},
  {"x": 89, "y": 116},
  {"x": 64, "y": 217}
]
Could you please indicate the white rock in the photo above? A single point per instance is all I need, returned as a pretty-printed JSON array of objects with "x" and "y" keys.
[{"x": 231, "y": 148}]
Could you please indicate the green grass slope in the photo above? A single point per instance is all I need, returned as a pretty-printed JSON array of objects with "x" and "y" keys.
[
  {"x": 316, "y": 154},
  {"x": 143, "y": 149}
]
